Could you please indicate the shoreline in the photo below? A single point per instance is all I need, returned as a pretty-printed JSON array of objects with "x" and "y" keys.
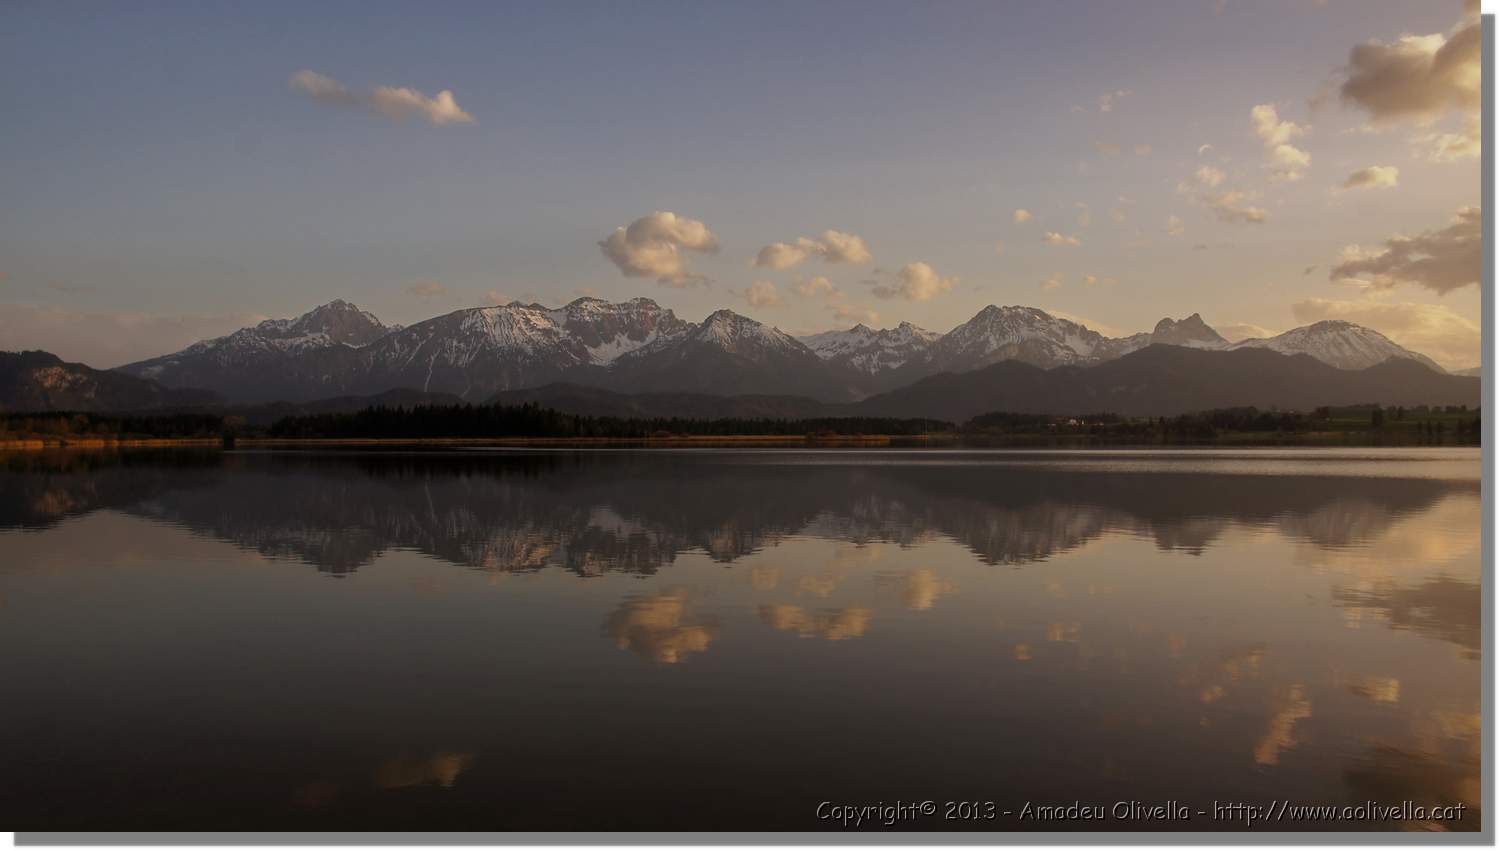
[{"x": 1247, "y": 440}]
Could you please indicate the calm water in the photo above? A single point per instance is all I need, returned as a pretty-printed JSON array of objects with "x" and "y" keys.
[{"x": 707, "y": 639}]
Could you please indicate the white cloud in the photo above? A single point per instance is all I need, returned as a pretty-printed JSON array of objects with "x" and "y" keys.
[
  {"x": 817, "y": 286},
  {"x": 652, "y": 246},
  {"x": 1175, "y": 227},
  {"x": 1373, "y": 177},
  {"x": 1204, "y": 148},
  {"x": 1431, "y": 329},
  {"x": 1021, "y": 216},
  {"x": 1055, "y": 238},
  {"x": 916, "y": 282},
  {"x": 1440, "y": 260},
  {"x": 1051, "y": 283},
  {"x": 762, "y": 294},
  {"x": 833, "y": 247},
  {"x": 395, "y": 103},
  {"x": 1287, "y": 161}
]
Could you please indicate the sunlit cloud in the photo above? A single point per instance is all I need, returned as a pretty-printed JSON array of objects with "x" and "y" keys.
[
  {"x": 1175, "y": 226},
  {"x": 816, "y": 286},
  {"x": 916, "y": 282},
  {"x": 392, "y": 102},
  {"x": 762, "y": 294},
  {"x": 652, "y": 246},
  {"x": 1055, "y": 238},
  {"x": 1286, "y": 161},
  {"x": 1021, "y": 217},
  {"x": 833, "y": 247},
  {"x": 1416, "y": 78},
  {"x": 1440, "y": 260},
  {"x": 1373, "y": 177}
]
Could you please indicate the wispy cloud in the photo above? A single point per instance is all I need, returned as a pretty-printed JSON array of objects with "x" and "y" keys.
[{"x": 392, "y": 102}]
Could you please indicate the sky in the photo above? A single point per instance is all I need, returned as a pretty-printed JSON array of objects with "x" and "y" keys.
[{"x": 173, "y": 171}]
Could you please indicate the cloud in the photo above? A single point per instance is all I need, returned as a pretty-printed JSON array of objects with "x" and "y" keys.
[
  {"x": 395, "y": 103},
  {"x": 999, "y": 249},
  {"x": 1230, "y": 209},
  {"x": 916, "y": 282},
  {"x": 1175, "y": 226},
  {"x": 1055, "y": 238},
  {"x": 1441, "y": 260},
  {"x": 1051, "y": 283},
  {"x": 1205, "y": 148},
  {"x": 1448, "y": 147},
  {"x": 1237, "y": 331},
  {"x": 1117, "y": 215},
  {"x": 827, "y": 624},
  {"x": 1021, "y": 216},
  {"x": 1373, "y": 177},
  {"x": 1432, "y": 329},
  {"x": 652, "y": 246},
  {"x": 817, "y": 286},
  {"x": 854, "y": 313},
  {"x": 1099, "y": 280},
  {"x": 1209, "y": 176},
  {"x": 1083, "y": 214},
  {"x": 427, "y": 289},
  {"x": 1107, "y": 100},
  {"x": 762, "y": 294},
  {"x": 106, "y": 339},
  {"x": 661, "y": 627},
  {"x": 1108, "y": 149},
  {"x": 833, "y": 247},
  {"x": 1143, "y": 150},
  {"x": 1287, "y": 161},
  {"x": 1415, "y": 78}
]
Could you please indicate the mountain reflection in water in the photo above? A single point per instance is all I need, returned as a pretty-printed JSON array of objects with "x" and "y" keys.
[{"x": 580, "y": 635}]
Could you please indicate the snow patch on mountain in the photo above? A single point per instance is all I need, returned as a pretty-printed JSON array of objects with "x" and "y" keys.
[{"x": 1338, "y": 343}]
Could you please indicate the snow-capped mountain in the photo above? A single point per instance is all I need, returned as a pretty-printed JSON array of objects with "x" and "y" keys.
[
  {"x": 869, "y": 351},
  {"x": 1018, "y": 333},
  {"x": 270, "y": 360},
  {"x": 1338, "y": 343},
  {"x": 638, "y": 346},
  {"x": 730, "y": 354},
  {"x": 479, "y": 351}
]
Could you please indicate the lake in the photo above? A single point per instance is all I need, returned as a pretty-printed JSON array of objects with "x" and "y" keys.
[{"x": 737, "y": 640}]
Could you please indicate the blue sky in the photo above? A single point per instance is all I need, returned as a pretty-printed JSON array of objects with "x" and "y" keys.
[{"x": 165, "y": 181}]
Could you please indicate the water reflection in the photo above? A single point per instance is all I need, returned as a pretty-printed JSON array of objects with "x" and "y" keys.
[
  {"x": 885, "y": 624},
  {"x": 596, "y": 514}
]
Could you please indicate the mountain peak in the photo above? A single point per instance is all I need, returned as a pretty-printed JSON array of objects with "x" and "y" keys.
[{"x": 1192, "y": 331}]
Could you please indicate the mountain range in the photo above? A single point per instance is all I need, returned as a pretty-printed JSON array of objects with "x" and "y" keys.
[
  {"x": 635, "y": 356},
  {"x": 637, "y": 346}
]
